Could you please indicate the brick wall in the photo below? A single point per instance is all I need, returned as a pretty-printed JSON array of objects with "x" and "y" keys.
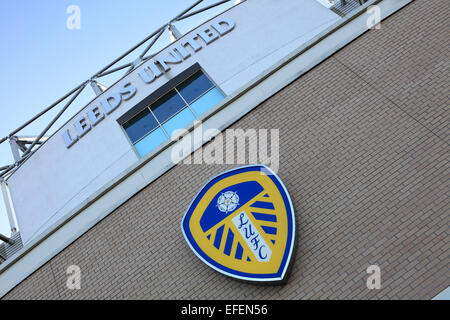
[{"x": 364, "y": 156}]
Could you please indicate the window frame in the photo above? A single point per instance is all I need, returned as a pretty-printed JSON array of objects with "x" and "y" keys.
[{"x": 157, "y": 94}]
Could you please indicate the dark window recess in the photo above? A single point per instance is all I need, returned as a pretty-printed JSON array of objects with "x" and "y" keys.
[
  {"x": 167, "y": 106},
  {"x": 194, "y": 86},
  {"x": 140, "y": 125},
  {"x": 174, "y": 105}
]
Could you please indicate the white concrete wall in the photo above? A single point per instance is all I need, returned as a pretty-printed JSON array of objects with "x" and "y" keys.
[{"x": 56, "y": 179}]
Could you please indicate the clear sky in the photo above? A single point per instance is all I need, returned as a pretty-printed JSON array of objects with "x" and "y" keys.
[{"x": 41, "y": 59}]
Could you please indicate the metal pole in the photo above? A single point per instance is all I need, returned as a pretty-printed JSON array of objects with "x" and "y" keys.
[
  {"x": 10, "y": 167},
  {"x": 54, "y": 120},
  {"x": 202, "y": 9},
  {"x": 9, "y": 212},
  {"x": 14, "y": 149},
  {"x": 153, "y": 42},
  {"x": 41, "y": 113},
  {"x": 103, "y": 73},
  {"x": 125, "y": 54},
  {"x": 114, "y": 70},
  {"x": 140, "y": 43},
  {"x": 99, "y": 73},
  {"x": 6, "y": 239},
  {"x": 161, "y": 30},
  {"x": 186, "y": 11}
]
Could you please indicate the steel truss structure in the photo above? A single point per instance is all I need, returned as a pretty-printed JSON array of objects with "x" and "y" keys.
[{"x": 28, "y": 145}]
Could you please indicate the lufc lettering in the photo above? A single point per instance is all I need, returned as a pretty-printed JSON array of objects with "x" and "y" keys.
[
  {"x": 252, "y": 237},
  {"x": 151, "y": 70}
]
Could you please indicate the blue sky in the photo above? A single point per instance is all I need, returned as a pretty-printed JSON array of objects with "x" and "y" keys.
[{"x": 41, "y": 59}]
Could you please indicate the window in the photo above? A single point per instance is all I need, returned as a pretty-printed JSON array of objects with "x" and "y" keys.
[{"x": 178, "y": 107}]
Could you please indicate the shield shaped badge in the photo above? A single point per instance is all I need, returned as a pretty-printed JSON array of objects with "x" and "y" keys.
[{"x": 242, "y": 224}]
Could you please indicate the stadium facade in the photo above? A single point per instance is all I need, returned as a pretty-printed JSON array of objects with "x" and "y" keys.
[{"x": 352, "y": 116}]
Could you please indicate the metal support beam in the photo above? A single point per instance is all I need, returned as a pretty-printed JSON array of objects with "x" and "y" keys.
[
  {"x": 23, "y": 141},
  {"x": 97, "y": 87},
  {"x": 114, "y": 70},
  {"x": 160, "y": 32},
  {"x": 8, "y": 169},
  {"x": 174, "y": 33},
  {"x": 202, "y": 9},
  {"x": 8, "y": 206},
  {"x": 187, "y": 10},
  {"x": 143, "y": 41},
  {"x": 54, "y": 119},
  {"x": 20, "y": 144},
  {"x": 41, "y": 113},
  {"x": 6, "y": 239},
  {"x": 14, "y": 149}
]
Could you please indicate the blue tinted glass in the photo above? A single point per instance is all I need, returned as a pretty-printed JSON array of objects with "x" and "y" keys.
[
  {"x": 150, "y": 142},
  {"x": 140, "y": 125},
  {"x": 208, "y": 100},
  {"x": 194, "y": 87},
  {"x": 179, "y": 121},
  {"x": 167, "y": 106}
]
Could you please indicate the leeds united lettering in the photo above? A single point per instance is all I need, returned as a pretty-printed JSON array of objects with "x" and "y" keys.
[{"x": 153, "y": 69}]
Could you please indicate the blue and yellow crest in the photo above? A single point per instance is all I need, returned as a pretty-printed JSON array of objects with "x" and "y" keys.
[{"x": 241, "y": 223}]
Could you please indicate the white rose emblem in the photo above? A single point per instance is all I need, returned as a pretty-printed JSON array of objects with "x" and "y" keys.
[{"x": 228, "y": 201}]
